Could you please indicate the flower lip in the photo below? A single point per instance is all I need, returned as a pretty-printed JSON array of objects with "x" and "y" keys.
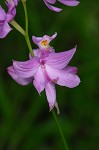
[{"x": 44, "y": 43}]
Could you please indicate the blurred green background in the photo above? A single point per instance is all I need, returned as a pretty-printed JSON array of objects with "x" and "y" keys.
[{"x": 25, "y": 121}]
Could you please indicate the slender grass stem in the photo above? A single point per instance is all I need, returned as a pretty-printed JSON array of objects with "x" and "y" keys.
[
  {"x": 26, "y": 28},
  {"x": 60, "y": 130}
]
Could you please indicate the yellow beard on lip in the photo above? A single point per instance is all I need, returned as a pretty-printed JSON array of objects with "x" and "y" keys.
[{"x": 44, "y": 43}]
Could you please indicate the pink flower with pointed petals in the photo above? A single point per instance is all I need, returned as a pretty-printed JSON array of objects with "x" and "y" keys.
[
  {"x": 46, "y": 69},
  {"x": 5, "y": 18},
  {"x": 49, "y": 3}
]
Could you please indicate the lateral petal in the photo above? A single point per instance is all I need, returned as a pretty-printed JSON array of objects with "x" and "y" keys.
[
  {"x": 69, "y": 2},
  {"x": 72, "y": 70},
  {"x": 59, "y": 60},
  {"x": 26, "y": 69},
  {"x": 53, "y": 8},
  {"x": 62, "y": 77},
  {"x": 13, "y": 74}
]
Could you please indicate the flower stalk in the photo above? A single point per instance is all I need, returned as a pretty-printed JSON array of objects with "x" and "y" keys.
[
  {"x": 60, "y": 130},
  {"x": 26, "y": 28},
  {"x": 17, "y": 27}
]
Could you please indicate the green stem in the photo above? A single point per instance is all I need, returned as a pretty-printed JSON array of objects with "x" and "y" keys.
[
  {"x": 17, "y": 27},
  {"x": 60, "y": 130},
  {"x": 26, "y": 28}
]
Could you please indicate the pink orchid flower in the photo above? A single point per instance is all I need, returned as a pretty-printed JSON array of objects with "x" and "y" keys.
[{"x": 46, "y": 69}]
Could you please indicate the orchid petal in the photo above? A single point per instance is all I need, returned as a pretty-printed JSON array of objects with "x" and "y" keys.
[
  {"x": 72, "y": 70},
  {"x": 62, "y": 77},
  {"x": 53, "y": 8},
  {"x": 60, "y": 60},
  {"x": 69, "y": 2},
  {"x": 16, "y": 2},
  {"x": 51, "y": 1},
  {"x": 18, "y": 79},
  {"x": 26, "y": 69},
  {"x": 11, "y": 4},
  {"x": 53, "y": 36},
  {"x": 36, "y": 40},
  {"x": 51, "y": 94},
  {"x": 37, "y": 52},
  {"x": 11, "y": 14},
  {"x": 39, "y": 81},
  {"x": 2, "y": 14},
  {"x": 4, "y": 29}
]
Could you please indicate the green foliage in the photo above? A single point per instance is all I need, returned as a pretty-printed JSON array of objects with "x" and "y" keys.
[{"x": 25, "y": 121}]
